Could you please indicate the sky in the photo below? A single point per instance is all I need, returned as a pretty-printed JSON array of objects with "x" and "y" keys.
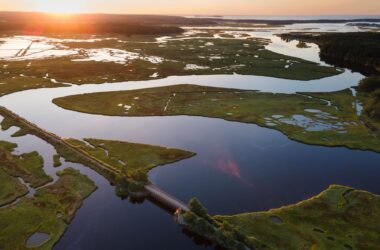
[{"x": 200, "y": 7}]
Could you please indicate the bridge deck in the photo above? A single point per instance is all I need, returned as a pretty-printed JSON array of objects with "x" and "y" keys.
[{"x": 165, "y": 198}]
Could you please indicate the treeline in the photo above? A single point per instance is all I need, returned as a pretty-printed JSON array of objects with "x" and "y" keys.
[
  {"x": 358, "y": 51},
  {"x": 40, "y": 28},
  {"x": 161, "y": 19},
  {"x": 40, "y": 23},
  {"x": 370, "y": 89},
  {"x": 226, "y": 236},
  {"x": 290, "y": 21},
  {"x": 103, "y": 18}
]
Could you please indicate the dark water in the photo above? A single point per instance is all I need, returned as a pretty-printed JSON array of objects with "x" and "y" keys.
[{"x": 239, "y": 168}]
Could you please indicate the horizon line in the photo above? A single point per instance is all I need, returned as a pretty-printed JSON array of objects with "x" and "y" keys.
[{"x": 184, "y": 15}]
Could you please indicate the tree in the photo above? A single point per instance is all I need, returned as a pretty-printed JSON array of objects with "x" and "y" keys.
[
  {"x": 189, "y": 217},
  {"x": 122, "y": 187},
  {"x": 196, "y": 207},
  {"x": 139, "y": 176},
  {"x": 369, "y": 84}
]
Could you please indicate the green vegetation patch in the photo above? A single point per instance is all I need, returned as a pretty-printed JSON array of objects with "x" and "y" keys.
[
  {"x": 338, "y": 218},
  {"x": 10, "y": 188},
  {"x": 204, "y": 55},
  {"x": 208, "y": 55},
  {"x": 369, "y": 88},
  {"x": 49, "y": 211},
  {"x": 57, "y": 160},
  {"x": 28, "y": 166},
  {"x": 63, "y": 149},
  {"x": 329, "y": 119},
  {"x": 12, "y": 79},
  {"x": 200, "y": 222},
  {"x": 129, "y": 158}
]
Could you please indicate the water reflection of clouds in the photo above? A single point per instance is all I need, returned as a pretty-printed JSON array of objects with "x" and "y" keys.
[
  {"x": 229, "y": 166},
  {"x": 226, "y": 163}
]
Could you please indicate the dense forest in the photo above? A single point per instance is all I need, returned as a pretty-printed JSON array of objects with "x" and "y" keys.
[
  {"x": 370, "y": 87},
  {"x": 288, "y": 22},
  {"x": 358, "y": 51}
]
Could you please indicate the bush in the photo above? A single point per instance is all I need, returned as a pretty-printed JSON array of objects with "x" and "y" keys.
[
  {"x": 203, "y": 227},
  {"x": 189, "y": 217},
  {"x": 372, "y": 106},
  {"x": 139, "y": 176},
  {"x": 122, "y": 187},
  {"x": 196, "y": 207},
  {"x": 369, "y": 84}
]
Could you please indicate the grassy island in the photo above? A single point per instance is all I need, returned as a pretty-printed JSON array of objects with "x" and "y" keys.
[
  {"x": 49, "y": 211},
  {"x": 338, "y": 218},
  {"x": 28, "y": 167},
  {"x": 331, "y": 119},
  {"x": 129, "y": 158},
  {"x": 128, "y": 162}
]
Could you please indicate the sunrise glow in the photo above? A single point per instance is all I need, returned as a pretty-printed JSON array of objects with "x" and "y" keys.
[
  {"x": 199, "y": 7},
  {"x": 60, "y": 6}
]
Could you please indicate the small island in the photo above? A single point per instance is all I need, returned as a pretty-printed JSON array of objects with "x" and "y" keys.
[{"x": 330, "y": 119}]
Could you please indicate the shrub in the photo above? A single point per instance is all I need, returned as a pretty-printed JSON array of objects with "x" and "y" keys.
[
  {"x": 372, "y": 106},
  {"x": 196, "y": 207},
  {"x": 139, "y": 176},
  {"x": 369, "y": 84},
  {"x": 189, "y": 217}
]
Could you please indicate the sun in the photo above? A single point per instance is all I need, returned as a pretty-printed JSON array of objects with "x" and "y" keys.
[{"x": 60, "y": 6}]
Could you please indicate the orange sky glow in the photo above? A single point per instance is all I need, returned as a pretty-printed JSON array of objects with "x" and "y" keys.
[{"x": 201, "y": 7}]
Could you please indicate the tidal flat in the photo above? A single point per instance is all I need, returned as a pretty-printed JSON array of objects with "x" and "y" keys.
[{"x": 115, "y": 59}]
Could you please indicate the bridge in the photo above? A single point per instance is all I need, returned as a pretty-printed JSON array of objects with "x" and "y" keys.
[
  {"x": 165, "y": 198},
  {"x": 153, "y": 191}
]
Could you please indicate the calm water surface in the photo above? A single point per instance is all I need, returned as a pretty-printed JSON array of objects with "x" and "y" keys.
[{"x": 238, "y": 167}]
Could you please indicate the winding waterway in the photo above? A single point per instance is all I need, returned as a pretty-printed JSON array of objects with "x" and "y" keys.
[{"x": 238, "y": 167}]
